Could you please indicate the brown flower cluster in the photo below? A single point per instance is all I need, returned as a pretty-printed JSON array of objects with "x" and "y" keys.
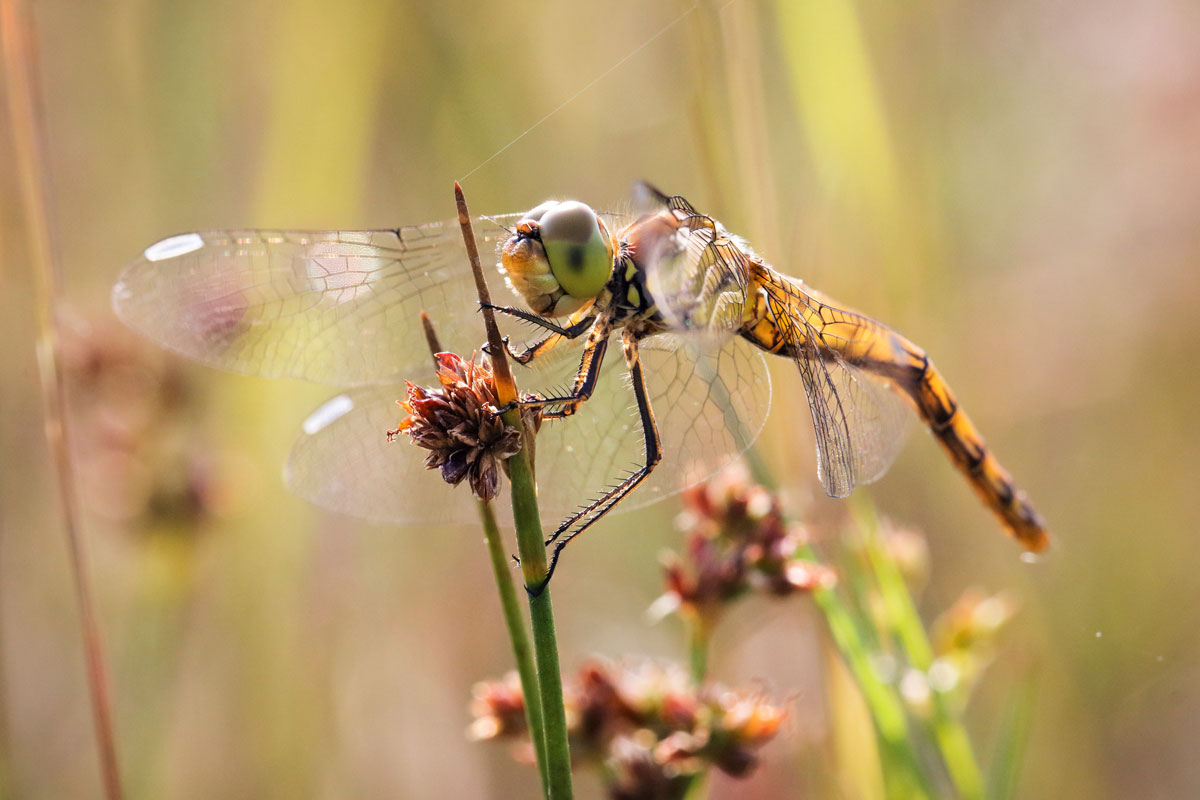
[
  {"x": 459, "y": 424},
  {"x": 135, "y": 441},
  {"x": 737, "y": 540},
  {"x": 649, "y": 727}
]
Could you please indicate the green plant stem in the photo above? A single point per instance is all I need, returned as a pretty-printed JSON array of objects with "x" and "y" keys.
[
  {"x": 1010, "y": 744},
  {"x": 883, "y": 702},
  {"x": 887, "y": 710},
  {"x": 699, "y": 633},
  {"x": 518, "y": 636},
  {"x": 948, "y": 729},
  {"x": 532, "y": 551},
  {"x": 530, "y": 545},
  {"x": 759, "y": 470}
]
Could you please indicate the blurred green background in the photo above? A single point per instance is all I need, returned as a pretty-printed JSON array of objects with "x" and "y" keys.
[{"x": 1014, "y": 186}]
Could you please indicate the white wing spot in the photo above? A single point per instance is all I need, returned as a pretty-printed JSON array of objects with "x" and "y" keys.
[
  {"x": 174, "y": 246},
  {"x": 327, "y": 414}
]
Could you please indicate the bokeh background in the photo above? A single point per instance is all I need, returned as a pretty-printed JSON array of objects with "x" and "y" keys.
[{"x": 1015, "y": 186}]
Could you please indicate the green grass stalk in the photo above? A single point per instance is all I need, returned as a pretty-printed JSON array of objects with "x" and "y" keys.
[
  {"x": 884, "y": 703},
  {"x": 948, "y": 730},
  {"x": 699, "y": 633},
  {"x": 903, "y": 770},
  {"x": 532, "y": 551},
  {"x": 518, "y": 636},
  {"x": 1009, "y": 751},
  {"x": 530, "y": 543}
]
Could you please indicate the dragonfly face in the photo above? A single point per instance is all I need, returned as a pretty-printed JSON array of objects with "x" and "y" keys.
[{"x": 559, "y": 259}]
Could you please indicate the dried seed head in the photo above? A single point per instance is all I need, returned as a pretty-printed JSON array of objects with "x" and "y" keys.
[
  {"x": 636, "y": 770},
  {"x": 460, "y": 426},
  {"x": 737, "y": 539},
  {"x": 498, "y": 708},
  {"x": 139, "y": 458},
  {"x": 646, "y": 721}
]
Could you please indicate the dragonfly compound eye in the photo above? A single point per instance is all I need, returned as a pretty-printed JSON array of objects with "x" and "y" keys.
[{"x": 578, "y": 249}]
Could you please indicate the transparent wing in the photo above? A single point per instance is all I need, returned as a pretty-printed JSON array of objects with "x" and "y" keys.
[
  {"x": 863, "y": 424},
  {"x": 337, "y": 307},
  {"x": 860, "y": 421},
  {"x": 342, "y": 461},
  {"x": 696, "y": 272},
  {"x": 711, "y": 404}
]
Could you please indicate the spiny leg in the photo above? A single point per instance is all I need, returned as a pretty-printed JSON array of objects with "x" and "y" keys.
[
  {"x": 557, "y": 332},
  {"x": 551, "y": 341},
  {"x": 585, "y": 379},
  {"x": 588, "y": 515}
]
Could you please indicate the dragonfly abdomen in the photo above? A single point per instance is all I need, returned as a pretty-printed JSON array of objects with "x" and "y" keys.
[
  {"x": 964, "y": 444},
  {"x": 790, "y": 320}
]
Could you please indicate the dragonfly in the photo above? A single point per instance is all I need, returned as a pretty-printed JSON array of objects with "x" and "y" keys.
[{"x": 694, "y": 308}]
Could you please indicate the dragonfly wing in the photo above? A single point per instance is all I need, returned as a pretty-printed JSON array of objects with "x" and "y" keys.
[
  {"x": 337, "y": 307},
  {"x": 710, "y": 405},
  {"x": 697, "y": 275},
  {"x": 860, "y": 423},
  {"x": 342, "y": 461},
  {"x": 860, "y": 420}
]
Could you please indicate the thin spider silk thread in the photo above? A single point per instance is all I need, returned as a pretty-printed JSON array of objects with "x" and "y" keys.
[{"x": 575, "y": 96}]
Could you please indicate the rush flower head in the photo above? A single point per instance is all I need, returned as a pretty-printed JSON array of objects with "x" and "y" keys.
[
  {"x": 737, "y": 539},
  {"x": 647, "y": 723},
  {"x": 498, "y": 708},
  {"x": 459, "y": 424},
  {"x": 138, "y": 456},
  {"x": 635, "y": 769}
]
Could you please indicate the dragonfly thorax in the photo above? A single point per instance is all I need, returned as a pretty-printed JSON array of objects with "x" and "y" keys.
[{"x": 559, "y": 259}]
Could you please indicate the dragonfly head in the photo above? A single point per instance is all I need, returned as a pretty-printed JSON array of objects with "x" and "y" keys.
[{"x": 559, "y": 259}]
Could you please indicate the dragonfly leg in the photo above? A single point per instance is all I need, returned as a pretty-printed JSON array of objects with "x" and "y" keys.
[
  {"x": 548, "y": 343},
  {"x": 585, "y": 379},
  {"x": 583, "y": 519},
  {"x": 557, "y": 332},
  {"x": 570, "y": 331}
]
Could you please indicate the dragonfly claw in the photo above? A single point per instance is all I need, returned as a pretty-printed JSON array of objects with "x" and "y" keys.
[
  {"x": 487, "y": 347},
  {"x": 539, "y": 587}
]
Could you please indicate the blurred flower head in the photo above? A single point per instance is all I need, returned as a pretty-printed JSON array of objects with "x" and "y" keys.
[
  {"x": 737, "y": 540},
  {"x": 459, "y": 424},
  {"x": 498, "y": 708},
  {"x": 637, "y": 772},
  {"x": 964, "y": 636},
  {"x": 909, "y": 550},
  {"x": 136, "y": 446},
  {"x": 646, "y": 723},
  {"x": 974, "y": 620}
]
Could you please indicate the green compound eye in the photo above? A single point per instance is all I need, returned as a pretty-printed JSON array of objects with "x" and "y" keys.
[{"x": 577, "y": 250}]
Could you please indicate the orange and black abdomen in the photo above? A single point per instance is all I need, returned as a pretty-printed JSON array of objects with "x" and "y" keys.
[
  {"x": 797, "y": 314},
  {"x": 967, "y": 449}
]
